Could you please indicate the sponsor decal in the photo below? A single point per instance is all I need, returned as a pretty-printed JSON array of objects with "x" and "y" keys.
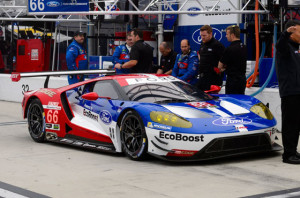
[
  {"x": 142, "y": 149},
  {"x": 197, "y": 38},
  {"x": 55, "y": 127},
  {"x": 119, "y": 109},
  {"x": 150, "y": 125},
  {"x": 184, "y": 152},
  {"x": 47, "y": 92},
  {"x": 193, "y": 9},
  {"x": 271, "y": 131},
  {"x": 53, "y": 4},
  {"x": 201, "y": 105},
  {"x": 112, "y": 8},
  {"x": 52, "y": 105},
  {"x": 66, "y": 141},
  {"x": 181, "y": 153},
  {"x": 90, "y": 115},
  {"x": 85, "y": 144},
  {"x": 15, "y": 77},
  {"x": 231, "y": 121},
  {"x": 181, "y": 137},
  {"x": 105, "y": 116},
  {"x": 153, "y": 79},
  {"x": 34, "y": 54},
  {"x": 158, "y": 126},
  {"x": 44, "y": 125},
  {"x": 240, "y": 127}
]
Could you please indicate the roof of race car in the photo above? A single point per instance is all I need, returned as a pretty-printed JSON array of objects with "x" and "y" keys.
[{"x": 121, "y": 79}]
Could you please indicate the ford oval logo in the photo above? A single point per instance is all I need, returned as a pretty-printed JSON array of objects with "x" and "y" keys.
[
  {"x": 53, "y": 4},
  {"x": 106, "y": 117},
  {"x": 231, "y": 121},
  {"x": 193, "y": 9},
  {"x": 197, "y": 38}
]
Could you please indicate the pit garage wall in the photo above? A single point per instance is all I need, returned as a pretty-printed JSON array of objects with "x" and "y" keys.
[{"x": 13, "y": 91}]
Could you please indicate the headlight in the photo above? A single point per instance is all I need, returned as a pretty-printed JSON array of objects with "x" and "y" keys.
[
  {"x": 262, "y": 110},
  {"x": 169, "y": 119}
]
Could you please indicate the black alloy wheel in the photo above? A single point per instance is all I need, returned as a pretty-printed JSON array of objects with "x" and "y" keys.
[
  {"x": 133, "y": 136},
  {"x": 36, "y": 121}
]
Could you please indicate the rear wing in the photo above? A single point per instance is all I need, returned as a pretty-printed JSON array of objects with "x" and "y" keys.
[{"x": 16, "y": 76}]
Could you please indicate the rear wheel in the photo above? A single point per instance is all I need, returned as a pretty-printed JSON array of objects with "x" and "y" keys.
[
  {"x": 36, "y": 121},
  {"x": 133, "y": 136}
]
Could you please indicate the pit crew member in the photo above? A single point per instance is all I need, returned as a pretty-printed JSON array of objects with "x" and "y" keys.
[
  {"x": 186, "y": 64},
  {"x": 76, "y": 57},
  {"x": 121, "y": 54},
  {"x": 234, "y": 61}
]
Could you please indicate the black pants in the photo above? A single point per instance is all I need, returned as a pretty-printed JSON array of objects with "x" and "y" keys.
[
  {"x": 235, "y": 84},
  {"x": 208, "y": 79},
  {"x": 290, "y": 107}
]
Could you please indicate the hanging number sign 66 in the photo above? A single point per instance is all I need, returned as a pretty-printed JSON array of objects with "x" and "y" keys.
[
  {"x": 36, "y": 5},
  {"x": 52, "y": 116}
]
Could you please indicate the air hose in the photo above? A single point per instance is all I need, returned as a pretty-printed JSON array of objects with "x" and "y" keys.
[
  {"x": 273, "y": 63},
  {"x": 263, "y": 50},
  {"x": 251, "y": 79}
]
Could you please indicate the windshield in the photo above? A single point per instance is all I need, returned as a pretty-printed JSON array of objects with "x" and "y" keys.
[{"x": 165, "y": 92}]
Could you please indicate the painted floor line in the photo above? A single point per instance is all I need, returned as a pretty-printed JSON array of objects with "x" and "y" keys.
[
  {"x": 293, "y": 194},
  {"x": 8, "y": 194},
  {"x": 10, "y": 191},
  {"x": 12, "y": 123},
  {"x": 289, "y": 193}
]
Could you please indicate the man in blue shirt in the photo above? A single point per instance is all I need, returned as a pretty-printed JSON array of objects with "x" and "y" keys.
[
  {"x": 121, "y": 54},
  {"x": 186, "y": 64},
  {"x": 76, "y": 57}
]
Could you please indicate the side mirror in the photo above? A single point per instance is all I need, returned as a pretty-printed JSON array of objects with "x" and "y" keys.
[
  {"x": 93, "y": 96},
  {"x": 90, "y": 96},
  {"x": 213, "y": 89}
]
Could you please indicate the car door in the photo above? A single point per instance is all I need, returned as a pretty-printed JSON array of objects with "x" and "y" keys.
[{"x": 95, "y": 120}]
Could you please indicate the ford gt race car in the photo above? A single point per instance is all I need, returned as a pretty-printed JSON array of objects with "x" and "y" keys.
[{"x": 141, "y": 114}]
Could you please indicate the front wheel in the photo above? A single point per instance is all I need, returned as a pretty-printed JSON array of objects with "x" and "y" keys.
[
  {"x": 36, "y": 121},
  {"x": 133, "y": 136}
]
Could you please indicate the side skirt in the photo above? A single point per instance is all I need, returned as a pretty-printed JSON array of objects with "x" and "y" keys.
[{"x": 104, "y": 147}]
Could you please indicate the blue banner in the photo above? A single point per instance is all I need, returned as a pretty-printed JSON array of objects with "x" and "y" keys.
[
  {"x": 192, "y": 33},
  {"x": 36, "y": 6},
  {"x": 169, "y": 19}
]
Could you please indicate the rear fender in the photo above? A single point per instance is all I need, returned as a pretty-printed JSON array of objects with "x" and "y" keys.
[
  {"x": 55, "y": 117},
  {"x": 27, "y": 104}
]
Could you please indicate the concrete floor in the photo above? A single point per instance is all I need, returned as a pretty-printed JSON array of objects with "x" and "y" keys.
[{"x": 63, "y": 171}]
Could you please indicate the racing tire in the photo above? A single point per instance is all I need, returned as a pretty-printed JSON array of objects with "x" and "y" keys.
[
  {"x": 133, "y": 136},
  {"x": 36, "y": 121}
]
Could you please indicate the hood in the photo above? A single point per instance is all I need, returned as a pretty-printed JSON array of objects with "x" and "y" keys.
[{"x": 219, "y": 116}]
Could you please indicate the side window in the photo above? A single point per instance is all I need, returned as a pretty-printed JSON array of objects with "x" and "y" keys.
[{"x": 106, "y": 88}]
